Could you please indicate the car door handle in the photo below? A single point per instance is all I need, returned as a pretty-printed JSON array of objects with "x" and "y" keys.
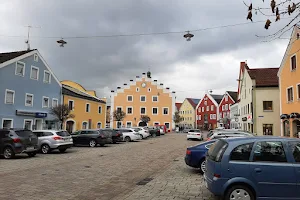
[{"x": 258, "y": 170}]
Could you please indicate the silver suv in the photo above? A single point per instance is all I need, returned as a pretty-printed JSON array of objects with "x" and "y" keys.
[
  {"x": 228, "y": 133},
  {"x": 49, "y": 140}
]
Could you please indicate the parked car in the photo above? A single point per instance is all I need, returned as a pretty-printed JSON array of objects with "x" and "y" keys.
[
  {"x": 195, "y": 155},
  {"x": 225, "y": 134},
  {"x": 91, "y": 137},
  {"x": 186, "y": 130},
  {"x": 162, "y": 128},
  {"x": 144, "y": 133},
  {"x": 154, "y": 131},
  {"x": 254, "y": 168},
  {"x": 17, "y": 141},
  {"x": 116, "y": 135},
  {"x": 49, "y": 140},
  {"x": 194, "y": 134},
  {"x": 130, "y": 134}
]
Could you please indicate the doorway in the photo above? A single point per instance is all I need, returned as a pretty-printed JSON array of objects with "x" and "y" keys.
[
  {"x": 38, "y": 124},
  {"x": 70, "y": 126},
  {"x": 296, "y": 128},
  {"x": 28, "y": 124}
]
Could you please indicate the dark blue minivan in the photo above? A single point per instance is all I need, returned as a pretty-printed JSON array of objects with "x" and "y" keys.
[{"x": 254, "y": 168}]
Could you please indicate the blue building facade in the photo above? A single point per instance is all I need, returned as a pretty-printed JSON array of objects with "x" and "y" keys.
[{"x": 28, "y": 90}]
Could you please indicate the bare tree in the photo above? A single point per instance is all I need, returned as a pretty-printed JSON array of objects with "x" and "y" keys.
[
  {"x": 61, "y": 113},
  {"x": 274, "y": 11},
  {"x": 177, "y": 118},
  {"x": 119, "y": 115},
  {"x": 145, "y": 119}
]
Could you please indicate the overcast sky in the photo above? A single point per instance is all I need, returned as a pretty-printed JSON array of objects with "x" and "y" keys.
[{"x": 209, "y": 61}]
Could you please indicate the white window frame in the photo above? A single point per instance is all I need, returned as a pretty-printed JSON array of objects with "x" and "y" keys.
[
  {"x": 212, "y": 107},
  {"x": 207, "y": 108},
  {"x": 23, "y": 69},
  {"x": 28, "y": 105},
  {"x": 7, "y": 90},
  {"x": 164, "y": 109},
  {"x": 141, "y": 110},
  {"x": 226, "y": 107},
  {"x": 156, "y": 123},
  {"x": 98, "y": 109},
  {"x": 226, "y": 98},
  {"x": 87, "y": 125},
  {"x": 169, "y": 125},
  {"x": 7, "y": 119},
  {"x": 131, "y": 98},
  {"x": 291, "y": 62},
  {"x": 45, "y": 71},
  {"x": 127, "y": 110},
  {"x": 119, "y": 107},
  {"x": 54, "y": 99},
  {"x": 35, "y": 57},
  {"x": 287, "y": 94},
  {"x": 223, "y": 107},
  {"x": 97, "y": 125},
  {"x": 199, "y": 117},
  {"x": 43, "y": 105},
  {"x": 89, "y": 110},
  {"x": 38, "y": 73},
  {"x": 31, "y": 120},
  {"x": 156, "y": 97},
  {"x": 120, "y": 123},
  {"x": 141, "y": 98},
  {"x": 72, "y": 104},
  {"x": 202, "y": 109},
  {"x": 156, "y": 109},
  {"x": 298, "y": 94},
  {"x": 130, "y": 124},
  {"x": 137, "y": 89}
]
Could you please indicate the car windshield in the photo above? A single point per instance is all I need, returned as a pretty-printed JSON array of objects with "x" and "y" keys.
[
  {"x": 136, "y": 129},
  {"x": 24, "y": 133},
  {"x": 215, "y": 151},
  {"x": 62, "y": 133}
]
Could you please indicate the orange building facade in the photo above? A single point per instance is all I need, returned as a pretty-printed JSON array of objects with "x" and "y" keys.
[
  {"x": 143, "y": 96},
  {"x": 289, "y": 84}
]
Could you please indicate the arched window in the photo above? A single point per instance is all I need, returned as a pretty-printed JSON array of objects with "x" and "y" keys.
[
  {"x": 99, "y": 125},
  {"x": 84, "y": 125}
]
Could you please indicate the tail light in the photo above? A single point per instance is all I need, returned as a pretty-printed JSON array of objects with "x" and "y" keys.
[
  {"x": 118, "y": 134},
  {"x": 208, "y": 139},
  {"x": 57, "y": 138},
  {"x": 188, "y": 152},
  {"x": 217, "y": 175},
  {"x": 17, "y": 140},
  {"x": 198, "y": 134}
]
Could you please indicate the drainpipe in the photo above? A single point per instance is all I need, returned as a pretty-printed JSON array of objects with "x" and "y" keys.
[{"x": 252, "y": 107}]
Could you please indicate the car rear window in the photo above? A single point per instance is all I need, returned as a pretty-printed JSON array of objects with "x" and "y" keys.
[
  {"x": 216, "y": 151},
  {"x": 136, "y": 129},
  {"x": 63, "y": 133},
  {"x": 24, "y": 133}
]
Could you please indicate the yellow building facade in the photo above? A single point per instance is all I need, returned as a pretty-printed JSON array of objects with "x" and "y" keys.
[
  {"x": 88, "y": 109},
  {"x": 144, "y": 96},
  {"x": 289, "y": 84},
  {"x": 188, "y": 113}
]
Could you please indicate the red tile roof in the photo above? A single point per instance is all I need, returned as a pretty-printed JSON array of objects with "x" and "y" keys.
[
  {"x": 178, "y": 105},
  {"x": 264, "y": 77}
]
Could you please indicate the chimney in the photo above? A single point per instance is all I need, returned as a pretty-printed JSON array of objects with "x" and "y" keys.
[
  {"x": 131, "y": 80},
  {"x": 112, "y": 91},
  {"x": 143, "y": 75},
  {"x": 167, "y": 88},
  {"x": 125, "y": 83},
  {"x": 118, "y": 87},
  {"x": 155, "y": 80},
  {"x": 161, "y": 84},
  {"x": 137, "y": 76}
]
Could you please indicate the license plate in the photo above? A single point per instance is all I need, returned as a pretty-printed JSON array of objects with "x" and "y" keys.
[{"x": 30, "y": 148}]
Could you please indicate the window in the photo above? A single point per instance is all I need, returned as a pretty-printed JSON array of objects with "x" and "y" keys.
[
  {"x": 29, "y": 99},
  {"x": 298, "y": 89},
  {"x": 119, "y": 109},
  {"x": 202, "y": 109},
  {"x": 128, "y": 124},
  {"x": 154, "y": 111},
  {"x": 207, "y": 108},
  {"x": 226, "y": 98},
  {"x": 129, "y": 110},
  {"x": 54, "y": 103},
  {"x": 34, "y": 73},
  {"x": 205, "y": 103},
  {"x": 212, "y": 107},
  {"x": 268, "y": 129},
  {"x": 269, "y": 152},
  {"x": 84, "y": 125},
  {"x": 87, "y": 107},
  {"x": 167, "y": 125},
  {"x": 137, "y": 89},
  {"x": 130, "y": 98},
  {"x": 45, "y": 102},
  {"x": 165, "y": 111},
  {"x": 290, "y": 94},
  {"x": 143, "y": 98},
  {"x": 47, "y": 77},
  {"x": 99, "y": 125},
  {"x": 295, "y": 148},
  {"x": 242, "y": 152},
  {"x": 226, "y": 106},
  {"x": 293, "y": 63},
  {"x": 217, "y": 150},
  {"x": 199, "y": 117},
  {"x": 71, "y": 104},
  {"x": 28, "y": 124},
  {"x": 149, "y": 89},
  {"x": 155, "y": 98},
  {"x": 36, "y": 57},
  {"x": 100, "y": 109},
  {"x": 228, "y": 114},
  {"x": 143, "y": 110},
  {"x": 268, "y": 105},
  {"x": 9, "y": 97},
  {"x": 7, "y": 123},
  {"x": 223, "y": 107},
  {"x": 20, "y": 69},
  {"x": 199, "y": 109}
]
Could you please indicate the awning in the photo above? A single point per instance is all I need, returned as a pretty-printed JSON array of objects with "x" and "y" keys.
[
  {"x": 294, "y": 115},
  {"x": 284, "y": 116}
]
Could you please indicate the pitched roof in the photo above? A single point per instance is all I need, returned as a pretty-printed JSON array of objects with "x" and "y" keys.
[
  {"x": 264, "y": 77},
  {"x": 67, "y": 90},
  {"x": 178, "y": 105},
  {"x": 217, "y": 97},
  {"x": 193, "y": 102},
  {"x": 11, "y": 55},
  {"x": 233, "y": 95}
]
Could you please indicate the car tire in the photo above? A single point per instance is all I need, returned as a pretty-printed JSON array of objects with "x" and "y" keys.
[
  {"x": 92, "y": 143},
  {"x": 188, "y": 138},
  {"x": 31, "y": 154},
  {"x": 239, "y": 191},
  {"x": 102, "y": 145},
  {"x": 202, "y": 166},
  {"x": 127, "y": 139},
  {"x": 62, "y": 150},
  {"x": 114, "y": 142},
  {"x": 154, "y": 135},
  {"x": 8, "y": 153},
  {"x": 45, "y": 149}
]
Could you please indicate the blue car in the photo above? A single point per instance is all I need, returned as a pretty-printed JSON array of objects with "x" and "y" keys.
[
  {"x": 254, "y": 168},
  {"x": 195, "y": 156}
]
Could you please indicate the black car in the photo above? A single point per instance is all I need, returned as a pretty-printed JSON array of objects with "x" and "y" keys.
[
  {"x": 154, "y": 131},
  {"x": 17, "y": 141},
  {"x": 116, "y": 135},
  {"x": 91, "y": 137}
]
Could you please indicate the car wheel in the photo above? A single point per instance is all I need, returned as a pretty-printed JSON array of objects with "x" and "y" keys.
[
  {"x": 93, "y": 143},
  {"x": 127, "y": 139},
  {"x": 45, "y": 149},
  {"x": 239, "y": 192},
  {"x": 154, "y": 135},
  {"x": 114, "y": 142},
  {"x": 188, "y": 138},
  {"x": 202, "y": 166},
  {"x": 8, "y": 153},
  {"x": 102, "y": 145},
  {"x": 31, "y": 154},
  {"x": 62, "y": 150}
]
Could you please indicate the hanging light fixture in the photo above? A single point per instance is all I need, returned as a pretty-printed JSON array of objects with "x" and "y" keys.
[
  {"x": 61, "y": 42},
  {"x": 188, "y": 36}
]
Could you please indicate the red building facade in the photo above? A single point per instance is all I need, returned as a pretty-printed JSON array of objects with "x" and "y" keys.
[
  {"x": 207, "y": 111},
  {"x": 228, "y": 99}
]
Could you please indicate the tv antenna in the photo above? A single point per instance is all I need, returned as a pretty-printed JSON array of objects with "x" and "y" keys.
[{"x": 28, "y": 35}]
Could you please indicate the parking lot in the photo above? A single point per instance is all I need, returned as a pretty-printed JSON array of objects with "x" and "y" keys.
[{"x": 113, "y": 172}]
